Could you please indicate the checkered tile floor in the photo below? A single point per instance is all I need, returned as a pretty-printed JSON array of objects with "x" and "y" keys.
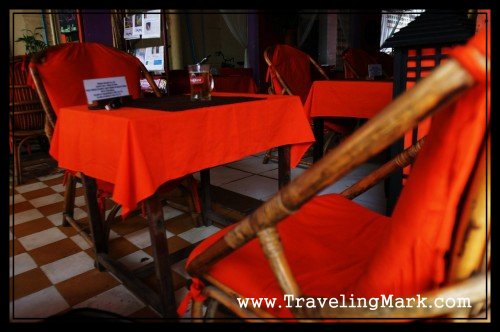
[{"x": 52, "y": 267}]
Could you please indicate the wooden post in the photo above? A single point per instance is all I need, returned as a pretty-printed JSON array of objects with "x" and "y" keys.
[
  {"x": 96, "y": 224},
  {"x": 318, "y": 127},
  {"x": 283, "y": 165},
  {"x": 161, "y": 257}
]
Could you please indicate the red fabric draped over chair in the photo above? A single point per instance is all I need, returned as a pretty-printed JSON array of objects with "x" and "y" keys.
[{"x": 67, "y": 65}]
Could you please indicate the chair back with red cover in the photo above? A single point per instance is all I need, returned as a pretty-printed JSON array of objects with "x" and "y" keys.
[
  {"x": 412, "y": 258},
  {"x": 294, "y": 68},
  {"x": 66, "y": 66},
  {"x": 358, "y": 61}
]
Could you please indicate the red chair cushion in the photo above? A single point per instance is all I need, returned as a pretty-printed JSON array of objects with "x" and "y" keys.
[
  {"x": 67, "y": 65},
  {"x": 328, "y": 228}
]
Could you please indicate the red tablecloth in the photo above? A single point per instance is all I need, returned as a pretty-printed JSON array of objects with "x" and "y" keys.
[
  {"x": 243, "y": 84},
  {"x": 138, "y": 149},
  {"x": 358, "y": 99}
]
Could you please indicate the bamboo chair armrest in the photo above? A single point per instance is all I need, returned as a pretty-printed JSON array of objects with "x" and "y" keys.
[
  {"x": 402, "y": 160},
  {"x": 444, "y": 85},
  {"x": 474, "y": 290}
]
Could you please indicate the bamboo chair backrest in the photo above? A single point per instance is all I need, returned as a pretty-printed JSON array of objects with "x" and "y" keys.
[
  {"x": 290, "y": 70},
  {"x": 430, "y": 200},
  {"x": 59, "y": 71},
  {"x": 28, "y": 114}
]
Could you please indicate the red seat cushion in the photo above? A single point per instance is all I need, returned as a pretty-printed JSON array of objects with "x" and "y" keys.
[{"x": 328, "y": 228}]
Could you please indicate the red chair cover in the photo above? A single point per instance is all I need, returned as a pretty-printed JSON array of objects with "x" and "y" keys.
[
  {"x": 334, "y": 246},
  {"x": 359, "y": 60},
  {"x": 67, "y": 65},
  {"x": 294, "y": 67}
]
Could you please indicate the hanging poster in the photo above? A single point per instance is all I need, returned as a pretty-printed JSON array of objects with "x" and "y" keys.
[
  {"x": 151, "y": 24},
  {"x": 128, "y": 28},
  {"x": 137, "y": 31},
  {"x": 154, "y": 58}
]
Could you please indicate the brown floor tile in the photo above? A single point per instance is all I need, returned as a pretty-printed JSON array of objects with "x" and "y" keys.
[
  {"x": 177, "y": 280},
  {"x": 121, "y": 247},
  {"x": 129, "y": 225},
  {"x": 54, "y": 251},
  {"x": 179, "y": 224},
  {"x": 90, "y": 252},
  {"x": 145, "y": 312},
  {"x": 20, "y": 207},
  {"x": 15, "y": 248},
  {"x": 39, "y": 193},
  {"x": 174, "y": 243},
  {"x": 54, "y": 182},
  {"x": 85, "y": 286},
  {"x": 68, "y": 230},
  {"x": 28, "y": 282},
  {"x": 31, "y": 227},
  {"x": 51, "y": 209},
  {"x": 79, "y": 192}
]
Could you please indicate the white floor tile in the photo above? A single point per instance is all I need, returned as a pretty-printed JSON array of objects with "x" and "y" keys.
[
  {"x": 80, "y": 201},
  {"x": 42, "y": 238},
  {"x": 21, "y": 263},
  {"x": 68, "y": 267},
  {"x": 221, "y": 175},
  {"x": 25, "y": 216},
  {"x": 118, "y": 300},
  {"x": 180, "y": 268},
  {"x": 136, "y": 260},
  {"x": 179, "y": 296},
  {"x": 78, "y": 239},
  {"x": 113, "y": 235},
  {"x": 79, "y": 185},
  {"x": 59, "y": 188},
  {"x": 56, "y": 218},
  {"x": 141, "y": 238},
  {"x": 41, "y": 304},
  {"x": 253, "y": 165},
  {"x": 170, "y": 212},
  {"x": 255, "y": 186},
  {"x": 275, "y": 174},
  {"x": 51, "y": 176},
  {"x": 46, "y": 200},
  {"x": 18, "y": 198},
  {"x": 198, "y": 233},
  {"x": 30, "y": 187}
]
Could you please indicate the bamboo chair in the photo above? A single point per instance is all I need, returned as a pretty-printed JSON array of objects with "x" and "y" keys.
[
  {"x": 458, "y": 248},
  {"x": 289, "y": 70},
  {"x": 27, "y": 118},
  {"x": 85, "y": 61}
]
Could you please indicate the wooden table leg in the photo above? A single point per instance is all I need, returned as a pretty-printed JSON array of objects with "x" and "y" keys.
[
  {"x": 283, "y": 165},
  {"x": 318, "y": 124},
  {"x": 206, "y": 200},
  {"x": 161, "y": 256},
  {"x": 96, "y": 223}
]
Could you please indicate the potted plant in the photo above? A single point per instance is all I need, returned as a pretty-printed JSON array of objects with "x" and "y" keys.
[{"x": 31, "y": 41}]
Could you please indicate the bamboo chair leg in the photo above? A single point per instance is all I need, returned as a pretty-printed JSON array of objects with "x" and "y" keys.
[
  {"x": 69, "y": 199},
  {"x": 18, "y": 179},
  {"x": 197, "y": 311},
  {"x": 267, "y": 157},
  {"x": 212, "y": 306}
]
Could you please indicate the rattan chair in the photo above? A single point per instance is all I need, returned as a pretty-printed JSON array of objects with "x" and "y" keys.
[
  {"x": 436, "y": 243},
  {"x": 58, "y": 74},
  {"x": 26, "y": 116},
  {"x": 289, "y": 70}
]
